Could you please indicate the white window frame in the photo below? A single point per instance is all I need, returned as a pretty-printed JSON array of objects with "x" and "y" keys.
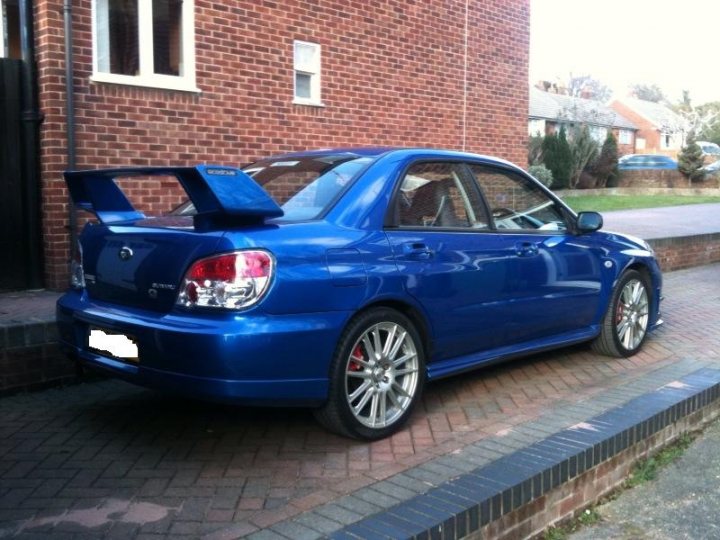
[
  {"x": 312, "y": 69},
  {"x": 536, "y": 126},
  {"x": 147, "y": 77},
  {"x": 624, "y": 136}
]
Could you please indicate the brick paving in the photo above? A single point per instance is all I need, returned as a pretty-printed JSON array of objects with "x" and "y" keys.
[{"x": 108, "y": 460}]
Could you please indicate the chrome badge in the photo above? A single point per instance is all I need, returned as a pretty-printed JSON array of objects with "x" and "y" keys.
[{"x": 125, "y": 253}]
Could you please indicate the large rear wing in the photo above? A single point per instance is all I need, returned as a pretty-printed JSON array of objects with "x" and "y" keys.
[{"x": 217, "y": 192}]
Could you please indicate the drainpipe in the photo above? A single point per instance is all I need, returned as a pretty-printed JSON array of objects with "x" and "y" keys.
[
  {"x": 70, "y": 118},
  {"x": 31, "y": 118}
]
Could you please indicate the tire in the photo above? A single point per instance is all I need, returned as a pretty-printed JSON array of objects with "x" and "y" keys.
[
  {"x": 376, "y": 377},
  {"x": 625, "y": 324}
]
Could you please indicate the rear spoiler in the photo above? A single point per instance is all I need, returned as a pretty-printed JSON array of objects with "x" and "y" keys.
[{"x": 218, "y": 193}]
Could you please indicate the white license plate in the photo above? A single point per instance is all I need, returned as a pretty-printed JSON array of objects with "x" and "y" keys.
[{"x": 117, "y": 345}]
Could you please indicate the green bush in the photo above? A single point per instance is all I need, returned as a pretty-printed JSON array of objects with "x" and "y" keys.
[
  {"x": 691, "y": 160},
  {"x": 605, "y": 167},
  {"x": 542, "y": 173},
  {"x": 558, "y": 158}
]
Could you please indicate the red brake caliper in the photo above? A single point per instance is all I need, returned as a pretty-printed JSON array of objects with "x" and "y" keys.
[
  {"x": 357, "y": 353},
  {"x": 619, "y": 313}
]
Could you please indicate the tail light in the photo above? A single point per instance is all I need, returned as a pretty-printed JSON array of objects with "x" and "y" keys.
[
  {"x": 231, "y": 281},
  {"x": 77, "y": 274}
]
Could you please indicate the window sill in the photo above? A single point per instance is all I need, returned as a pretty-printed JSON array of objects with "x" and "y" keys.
[
  {"x": 159, "y": 82},
  {"x": 309, "y": 103}
]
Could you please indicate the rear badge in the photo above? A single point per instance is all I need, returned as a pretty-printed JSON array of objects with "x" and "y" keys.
[
  {"x": 152, "y": 293},
  {"x": 125, "y": 253}
]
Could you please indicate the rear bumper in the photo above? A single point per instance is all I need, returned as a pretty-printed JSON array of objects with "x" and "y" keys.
[{"x": 249, "y": 358}]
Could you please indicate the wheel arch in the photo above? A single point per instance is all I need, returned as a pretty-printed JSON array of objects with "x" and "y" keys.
[{"x": 411, "y": 312}]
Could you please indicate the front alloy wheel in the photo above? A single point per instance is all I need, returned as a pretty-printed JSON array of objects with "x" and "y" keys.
[
  {"x": 625, "y": 324},
  {"x": 377, "y": 376}
]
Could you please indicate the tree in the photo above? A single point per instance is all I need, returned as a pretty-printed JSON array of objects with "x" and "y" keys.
[
  {"x": 648, "y": 92},
  {"x": 557, "y": 158},
  {"x": 588, "y": 87},
  {"x": 535, "y": 149},
  {"x": 710, "y": 130},
  {"x": 583, "y": 150},
  {"x": 690, "y": 159},
  {"x": 605, "y": 167}
]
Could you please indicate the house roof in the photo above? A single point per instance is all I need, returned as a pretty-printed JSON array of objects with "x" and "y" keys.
[
  {"x": 557, "y": 107},
  {"x": 661, "y": 116}
]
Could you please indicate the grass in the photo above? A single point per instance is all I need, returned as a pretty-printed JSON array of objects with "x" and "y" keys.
[
  {"x": 604, "y": 203},
  {"x": 647, "y": 469}
]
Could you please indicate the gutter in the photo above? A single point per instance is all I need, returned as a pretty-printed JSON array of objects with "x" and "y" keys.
[{"x": 70, "y": 120}]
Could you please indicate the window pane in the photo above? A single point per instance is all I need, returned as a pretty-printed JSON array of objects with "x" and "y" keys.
[
  {"x": 167, "y": 17},
  {"x": 117, "y": 36},
  {"x": 516, "y": 202},
  {"x": 439, "y": 195},
  {"x": 303, "y": 85},
  {"x": 306, "y": 57}
]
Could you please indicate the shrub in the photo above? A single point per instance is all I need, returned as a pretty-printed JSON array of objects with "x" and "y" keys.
[
  {"x": 535, "y": 149},
  {"x": 691, "y": 160},
  {"x": 583, "y": 150},
  {"x": 605, "y": 167},
  {"x": 557, "y": 158},
  {"x": 542, "y": 173}
]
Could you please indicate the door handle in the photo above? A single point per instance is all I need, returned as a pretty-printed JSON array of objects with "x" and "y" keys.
[
  {"x": 417, "y": 251},
  {"x": 526, "y": 249}
]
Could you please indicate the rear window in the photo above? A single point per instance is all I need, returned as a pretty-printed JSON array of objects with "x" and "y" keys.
[{"x": 304, "y": 187}]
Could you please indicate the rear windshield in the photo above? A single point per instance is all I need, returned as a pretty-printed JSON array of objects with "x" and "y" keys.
[{"x": 304, "y": 187}]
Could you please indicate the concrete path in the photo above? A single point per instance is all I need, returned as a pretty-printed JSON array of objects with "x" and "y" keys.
[
  {"x": 682, "y": 503},
  {"x": 665, "y": 222}
]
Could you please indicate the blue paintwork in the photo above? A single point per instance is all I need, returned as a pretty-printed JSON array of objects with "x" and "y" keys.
[
  {"x": 212, "y": 189},
  {"x": 481, "y": 297}
]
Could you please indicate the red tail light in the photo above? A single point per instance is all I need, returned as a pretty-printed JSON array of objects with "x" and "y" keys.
[
  {"x": 231, "y": 281},
  {"x": 77, "y": 275}
]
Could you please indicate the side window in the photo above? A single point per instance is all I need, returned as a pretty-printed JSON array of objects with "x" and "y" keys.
[
  {"x": 439, "y": 195},
  {"x": 516, "y": 202}
]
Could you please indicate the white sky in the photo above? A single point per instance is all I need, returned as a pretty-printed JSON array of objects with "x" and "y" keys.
[{"x": 674, "y": 44}]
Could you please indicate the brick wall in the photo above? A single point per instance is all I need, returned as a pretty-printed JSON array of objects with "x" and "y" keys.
[
  {"x": 392, "y": 74},
  {"x": 658, "y": 178}
]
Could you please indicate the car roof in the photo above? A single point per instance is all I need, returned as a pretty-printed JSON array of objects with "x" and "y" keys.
[{"x": 371, "y": 151}]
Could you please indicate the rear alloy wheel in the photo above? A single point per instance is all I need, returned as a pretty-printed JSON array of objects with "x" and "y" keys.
[
  {"x": 376, "y": 378},
  {"x": 625, "y": 324}
]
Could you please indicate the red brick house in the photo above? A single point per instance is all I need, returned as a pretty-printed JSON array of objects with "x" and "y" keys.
[
  {"x": 549, "y": 111},
  {"x": 187, "y": 81},
  {"x": 660, "y": 130}
]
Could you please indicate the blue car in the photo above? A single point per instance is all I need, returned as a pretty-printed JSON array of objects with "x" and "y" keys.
[
  {"x": 633, "y": 162},
  {"x": 345, "y": 280}
]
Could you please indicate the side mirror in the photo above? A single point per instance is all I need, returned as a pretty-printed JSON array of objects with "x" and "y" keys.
[{"x": 589, "y": 222}]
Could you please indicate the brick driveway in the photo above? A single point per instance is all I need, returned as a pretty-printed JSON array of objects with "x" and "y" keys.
[{"x": 106, "y": 459}]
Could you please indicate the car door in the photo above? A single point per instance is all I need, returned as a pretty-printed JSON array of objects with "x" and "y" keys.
[
  {"x": 553, "y": 276},
  {"x": 438, "y": 245},
  {"x": 489, "y": 282}
]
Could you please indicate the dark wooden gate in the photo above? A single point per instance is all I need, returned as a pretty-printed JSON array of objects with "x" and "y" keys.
[{"x": 15, "y": 243}]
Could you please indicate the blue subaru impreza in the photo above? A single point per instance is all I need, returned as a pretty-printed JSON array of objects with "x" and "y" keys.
[{"x": 344, "y": 280}]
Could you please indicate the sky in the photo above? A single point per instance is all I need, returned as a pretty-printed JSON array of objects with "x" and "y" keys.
[{"x": 674, "y": 44}]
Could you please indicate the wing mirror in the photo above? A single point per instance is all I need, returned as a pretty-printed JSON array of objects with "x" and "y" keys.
[{"x": 589, "y": 222}]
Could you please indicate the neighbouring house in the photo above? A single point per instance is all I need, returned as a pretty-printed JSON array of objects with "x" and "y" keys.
[
  {"x": 549, "y": 111},
  {"x": 185, "y": 81},
  {"x": 660, "y": 130}
]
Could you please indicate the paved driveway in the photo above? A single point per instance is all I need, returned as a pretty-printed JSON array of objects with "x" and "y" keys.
[{"x": 106, "y": 459}]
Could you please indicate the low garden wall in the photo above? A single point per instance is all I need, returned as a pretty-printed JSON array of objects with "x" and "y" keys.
[{"x": 662, "y": 179}]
